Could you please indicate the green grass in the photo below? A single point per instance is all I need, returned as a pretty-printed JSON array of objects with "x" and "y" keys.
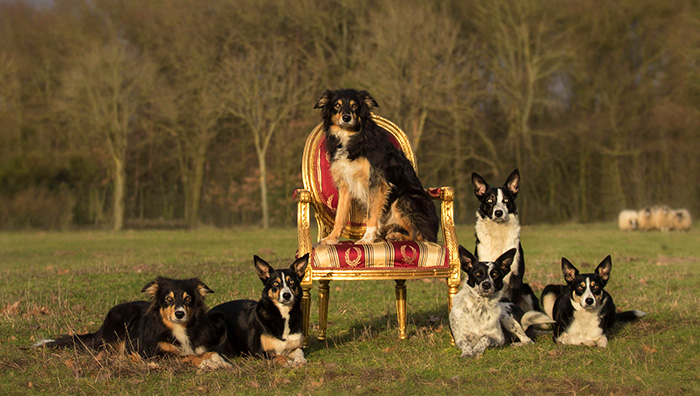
[{"x": 52, "y": 283}]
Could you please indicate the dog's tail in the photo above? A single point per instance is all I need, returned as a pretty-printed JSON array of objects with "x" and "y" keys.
[
  {"x": 531, "y": 318},
  {"x": 629, "y": 316},
  {"x": 80, "y": 341}
]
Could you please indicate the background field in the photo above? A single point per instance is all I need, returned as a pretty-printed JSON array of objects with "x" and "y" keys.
[{"x": 52, "y": 283}]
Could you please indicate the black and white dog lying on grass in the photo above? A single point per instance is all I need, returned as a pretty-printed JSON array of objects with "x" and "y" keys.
[
  {"x": 584, "y": 313},
  {"x": 479, "y": 319}
]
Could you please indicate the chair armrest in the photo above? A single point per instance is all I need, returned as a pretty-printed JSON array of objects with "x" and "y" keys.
[
  {"x": 303, "y": 198},
  {"x": 449, "y": 235}
]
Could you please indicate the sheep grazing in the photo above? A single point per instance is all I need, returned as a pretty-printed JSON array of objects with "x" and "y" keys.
[
  {"x": 680, "y": 220},
  {"x": 627, "y": 220}
]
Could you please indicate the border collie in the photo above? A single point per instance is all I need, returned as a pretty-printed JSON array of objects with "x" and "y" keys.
[
  {"x": 272, "y": 326},
  {"x": 368, "y": 168},
  {"x": 497, "y": 230},
  {"x": 583, "y": 311},
  {"x": 173, "y": 322},
  {"x": 478, "y": 320}
]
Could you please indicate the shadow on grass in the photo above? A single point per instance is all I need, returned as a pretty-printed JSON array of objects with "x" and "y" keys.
[{"x": 379, "y": 327}]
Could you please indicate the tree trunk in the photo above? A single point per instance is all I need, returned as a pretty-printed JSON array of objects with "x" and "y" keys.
[
  {"x": 119, "y": 184},
  {"x": 263, "y": 189}
]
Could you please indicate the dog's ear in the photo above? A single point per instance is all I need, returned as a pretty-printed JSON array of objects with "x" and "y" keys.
[
  {"x": 479, "y": 184},
  {"x": 466, "y": 259},
  {"x": 505, "y": 260},
  {"x": 264, "y": 269},
  {"x": 203, "y": 289},
  {"x": 323, "y": 100},
  {"x": 369, "y": 101},
  {"x": 151, "y": 288},
  {"x": 603, "y": 269},
  {"x": 570, "y": 272},
  {"x": 513, "y": 182},
  {"x": 299, "y": 266}
]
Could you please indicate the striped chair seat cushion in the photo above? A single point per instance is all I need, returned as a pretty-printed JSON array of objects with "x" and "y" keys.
[{"x": 400, "y": 255}]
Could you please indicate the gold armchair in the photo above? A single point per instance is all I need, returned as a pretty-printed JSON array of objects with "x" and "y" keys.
[{"x": 378, "y": 261}]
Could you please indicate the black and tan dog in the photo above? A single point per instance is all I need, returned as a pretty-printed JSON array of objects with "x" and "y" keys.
[
  {"x": 369, "y": 169},
  {"x": 272, "y": 326},
  {"x": 173, "y": 322}
]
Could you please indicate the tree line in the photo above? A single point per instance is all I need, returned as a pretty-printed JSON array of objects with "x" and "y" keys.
[{"x": 130, "y": 113}]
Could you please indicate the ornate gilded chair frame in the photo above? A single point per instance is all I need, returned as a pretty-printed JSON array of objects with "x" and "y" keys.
[{"x": 354, "y": 230}]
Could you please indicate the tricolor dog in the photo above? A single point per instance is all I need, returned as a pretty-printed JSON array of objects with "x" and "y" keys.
[
  {"x": 498, "y": 230},
  {"x": 583, "y": 311},
  {"x": 367, "y": 168},
  {"x": 271, "y": 326},
  {"x": 174, "y": 321},
  {"x": 478, "y": 319}
]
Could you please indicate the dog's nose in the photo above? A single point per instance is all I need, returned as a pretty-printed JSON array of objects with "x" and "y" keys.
[
  {"x": 498, "y": 213},
  {"x": 179, "y": 314},
  {"x": 346, "y": 118},
  {"x": 589, "y": 301},
  {"x": 287, "y": 296},
  {"x": 486, "y": 285}
]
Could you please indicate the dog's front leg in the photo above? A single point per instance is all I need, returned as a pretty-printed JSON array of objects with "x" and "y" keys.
[
  {"x": 511, "y": 325},
  {"x": 377, "y": 201},
  {"x": 341, "y": 215}
]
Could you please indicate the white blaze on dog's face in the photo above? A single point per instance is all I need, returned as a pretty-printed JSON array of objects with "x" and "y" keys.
[
  {"x": 497, "y": 203},
  {"x": 587, "y": 289}
]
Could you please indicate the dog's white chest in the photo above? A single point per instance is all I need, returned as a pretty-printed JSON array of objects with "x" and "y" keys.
[
  {"x": 353, "y": 174},
  {"x": 477, "y": 315},
  {"x": 497, "y": 238},
  {"x": 180, "y": 334},
  {"x": 584, "y": 329}
]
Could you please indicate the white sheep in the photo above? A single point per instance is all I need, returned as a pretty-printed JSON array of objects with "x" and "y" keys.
[
  {"x": 644, "y": 222},
  {"x": 680, "y": 220},
  {"x": 627, "y": 220},
  {"x": 660, "y": 217}
]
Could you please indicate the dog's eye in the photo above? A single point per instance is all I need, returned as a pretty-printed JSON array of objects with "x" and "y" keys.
[
  {"x": 188, "y": 299},
  {"x": 478, "y": 274},
  {"x": 337, "y": 106},
  {"x": 494, "y": 274},
  {"x": 505, "y": 200},
  {"x": 354, "y": 106},
  {"x": 168, "y": 299},
  {"x": 291, "y": 282},
  {"x": 276, "y": 284}
]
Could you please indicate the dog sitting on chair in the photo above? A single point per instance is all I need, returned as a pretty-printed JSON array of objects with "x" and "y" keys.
[{"x": 368, "y": 168}]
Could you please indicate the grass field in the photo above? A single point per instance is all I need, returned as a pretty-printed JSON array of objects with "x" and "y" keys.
[{"x": 52, "y": 283}]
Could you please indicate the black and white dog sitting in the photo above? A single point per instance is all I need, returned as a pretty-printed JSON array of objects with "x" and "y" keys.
[
  {"x": 497, "y": 230},
  {"x": 582, "y": 310},
  {"x": 478, "y": 319},
  {"x": 272, "y": 326}
]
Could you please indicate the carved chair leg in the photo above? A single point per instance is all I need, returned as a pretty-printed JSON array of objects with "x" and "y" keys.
[
  {"x": 401, "y": 307},
  {"x": 451, "y": 292},
  {"x": 323, "y": 291},
  {"x": 306, "y": 311}
]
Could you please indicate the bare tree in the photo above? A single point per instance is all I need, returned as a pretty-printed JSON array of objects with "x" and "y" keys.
[
  {"x": 103, "y": 92},
  {"x": 263, "y": 86}
]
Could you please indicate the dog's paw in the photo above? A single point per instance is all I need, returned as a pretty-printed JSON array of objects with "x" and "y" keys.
[
  {"x": 297, "y": 357},
  {"x": 397, "y": 237},
  {"x": 209, "y": 361},
  {"x": 328, "y": 241}
]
